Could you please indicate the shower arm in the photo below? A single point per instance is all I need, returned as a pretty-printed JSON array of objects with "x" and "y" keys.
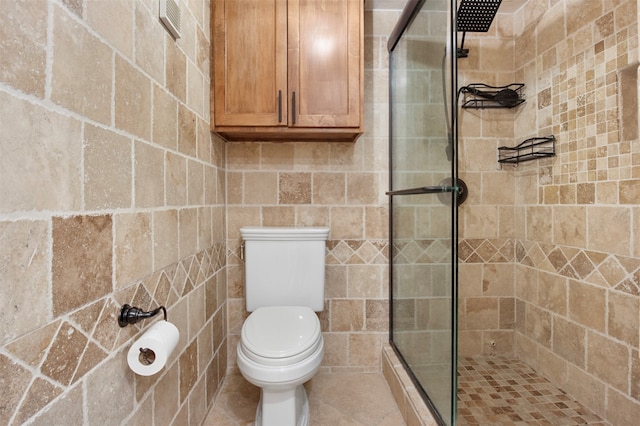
[{"x": 461, "y": 51}]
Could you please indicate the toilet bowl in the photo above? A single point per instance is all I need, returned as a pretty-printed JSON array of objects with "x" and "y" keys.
[
  {"x": 280, "y": 348},
  {"x": 281, "y": 344}
]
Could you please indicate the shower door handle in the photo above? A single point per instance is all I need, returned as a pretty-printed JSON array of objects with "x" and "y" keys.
[
  {"x": 422, "y": 190},
  {"x": 445, "y": 186}
]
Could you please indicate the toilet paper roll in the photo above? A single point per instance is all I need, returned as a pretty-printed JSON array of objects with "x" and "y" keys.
[{"x": 150, "y": 352}]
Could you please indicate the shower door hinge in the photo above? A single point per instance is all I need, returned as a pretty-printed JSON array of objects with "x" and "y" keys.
[{"x": 242, "y": 251}]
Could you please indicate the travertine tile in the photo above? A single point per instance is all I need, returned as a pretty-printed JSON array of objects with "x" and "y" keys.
[
  {"x": 67, "y": 409},
  {"x": 23, "y": 35},
  {"x": 278, "y": 216},
  {"x": 187, "y": 141},
  {"x": 17, "y": 382},
  {"x": 64, "y": 354},
  {"x": 175, "y": 179},
  {"x": 112, "y": 381},
  {"x": 196, "y": 90},
  {"x": 80, "y": 275},
  {"x": 204, "y": 139},
  {"x": 538, "y": 325},
  {"x": 188, "y": 369},
  {"x": 132, "y": 100},
  {"x": 332, "y": 397},
  {"x": 552, "y": 292},
  {"x": 335, "y": 349},
  {"x": 112, "y": 21},
  {"x": 33, "y": 173},
  {"x": 260, "y": 188},
  {"x": 165, "y": 118},
  {"x": 365, "y": 281},
  {"x": 81, "y": 64},
  {"x": 165, "y": 238},
  {"x": 478, "y": 403},
  {"x": 609, "y": 239},
  {"x": 176, "y": 71},
  {"x": 132, "y": 247},
  {"x": 346, "y": 222},
  {"x": 482, "y": 311},
  {"x": 362, "y": 188},
  {"x": 107, "y": 169},
  {"x": 587, "y": 305},
  {"x": 294, "y": 188},
  {"x": 149, "y": 44},
  {"x": 148, "y": 176},
  {"x": 623, "y": 317},
  {"x": 328, "y": 188},
  {"x": 608, "y": 360},
  {"x": 24, "y": 253},
  {"x": 347, "y": 315},
  {"x": 195, "y": 182}
]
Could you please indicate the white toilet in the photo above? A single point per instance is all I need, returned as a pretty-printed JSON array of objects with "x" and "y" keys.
[{"x": 281, "y": 344}]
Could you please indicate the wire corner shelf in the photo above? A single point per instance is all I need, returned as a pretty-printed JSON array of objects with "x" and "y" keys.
[
  {"x": 530, "y": 149},
  {"x": 480, "y": 96}
]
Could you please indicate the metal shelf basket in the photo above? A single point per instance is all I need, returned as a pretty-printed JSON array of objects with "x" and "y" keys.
[
  {"x": 480, "y": 95},
  {"x": 530, "y": 149}
]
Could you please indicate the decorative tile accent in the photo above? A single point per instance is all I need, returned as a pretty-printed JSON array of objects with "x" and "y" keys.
[
  {"x": 603, "y": 269},
  {"x": 353, "y": 252},
  {"x": 486, "y": 250},
  {"x": 422, "y": 251},
  {"x": 64, "y": 351}
]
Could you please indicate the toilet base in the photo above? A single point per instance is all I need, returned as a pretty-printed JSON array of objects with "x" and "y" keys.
[{"x": 283, "y": 407}]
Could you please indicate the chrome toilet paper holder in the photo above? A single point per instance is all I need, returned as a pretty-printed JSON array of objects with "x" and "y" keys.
[{"x": 131, "y": 314}]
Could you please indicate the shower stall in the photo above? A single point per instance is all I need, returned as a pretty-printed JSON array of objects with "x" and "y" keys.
[
  {"x": 424, "y": 193},
  {"x": 542, "y": 326}
]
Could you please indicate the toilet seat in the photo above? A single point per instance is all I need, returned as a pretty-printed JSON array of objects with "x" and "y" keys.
[{"x": 280, "y": 335}]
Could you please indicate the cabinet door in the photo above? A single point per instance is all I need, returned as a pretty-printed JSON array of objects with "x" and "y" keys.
[
  {"x": 325, "y": 63},
  {"x": 250, "y": 62}
]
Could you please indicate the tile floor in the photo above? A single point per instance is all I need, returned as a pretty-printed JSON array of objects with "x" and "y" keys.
[
  {"x": 335, "y": 399},
  {"x": 502, "y": 391},
  {"x": 491, "y": 391}
]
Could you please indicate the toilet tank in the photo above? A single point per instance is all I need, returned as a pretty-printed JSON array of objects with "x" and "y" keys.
[{"x": 284, "y": 266}]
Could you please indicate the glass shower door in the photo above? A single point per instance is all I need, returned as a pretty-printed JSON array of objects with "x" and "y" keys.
[{"x": 423, "y": 201}]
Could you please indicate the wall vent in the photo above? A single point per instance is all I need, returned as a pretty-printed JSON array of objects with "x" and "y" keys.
[{"x": 170, "y": 16}]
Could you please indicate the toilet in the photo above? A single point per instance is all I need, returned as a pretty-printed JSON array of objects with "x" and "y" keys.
[{"x": 281, "y": 345}]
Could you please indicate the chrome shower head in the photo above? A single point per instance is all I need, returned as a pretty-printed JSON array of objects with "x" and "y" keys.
[{"x": 475, "y": 16}]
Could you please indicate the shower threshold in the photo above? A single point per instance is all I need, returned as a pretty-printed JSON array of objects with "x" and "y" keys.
[{"x": 496, "y": 390}]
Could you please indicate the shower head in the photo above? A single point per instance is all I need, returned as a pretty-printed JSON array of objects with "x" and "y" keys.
[{"x": 475, "y": 16}]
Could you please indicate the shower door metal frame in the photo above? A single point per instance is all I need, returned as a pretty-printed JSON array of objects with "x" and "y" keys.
[{"x": 408, "y": 14}]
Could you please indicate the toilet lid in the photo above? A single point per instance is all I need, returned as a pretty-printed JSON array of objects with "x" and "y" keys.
[{"x": 278, "y": 332}]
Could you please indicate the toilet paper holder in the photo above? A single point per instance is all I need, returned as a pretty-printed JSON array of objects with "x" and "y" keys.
[{"x": 131, "y": 314}]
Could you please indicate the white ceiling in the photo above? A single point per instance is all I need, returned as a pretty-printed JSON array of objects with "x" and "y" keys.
[{"x": 507, "y": 6}]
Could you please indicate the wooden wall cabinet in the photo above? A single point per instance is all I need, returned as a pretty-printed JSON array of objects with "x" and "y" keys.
[{"x": 287, "y": 69}]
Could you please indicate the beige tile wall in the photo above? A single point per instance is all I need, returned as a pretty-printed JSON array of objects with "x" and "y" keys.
[
  {"x": 571, "y": 223},
  {"x": 111, "y": 192},
  {"x": 326, "y": 184}
]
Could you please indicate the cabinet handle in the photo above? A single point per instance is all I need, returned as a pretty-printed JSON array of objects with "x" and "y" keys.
[
  {"x": 279, "y": 106},
  {"x": 293, "y": 107}
]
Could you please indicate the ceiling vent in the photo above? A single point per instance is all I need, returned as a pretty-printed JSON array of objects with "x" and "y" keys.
[{"x": 170, "y": 16}]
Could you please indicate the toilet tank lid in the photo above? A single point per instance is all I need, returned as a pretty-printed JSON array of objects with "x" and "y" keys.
[{"x": 270, "y": 233}]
